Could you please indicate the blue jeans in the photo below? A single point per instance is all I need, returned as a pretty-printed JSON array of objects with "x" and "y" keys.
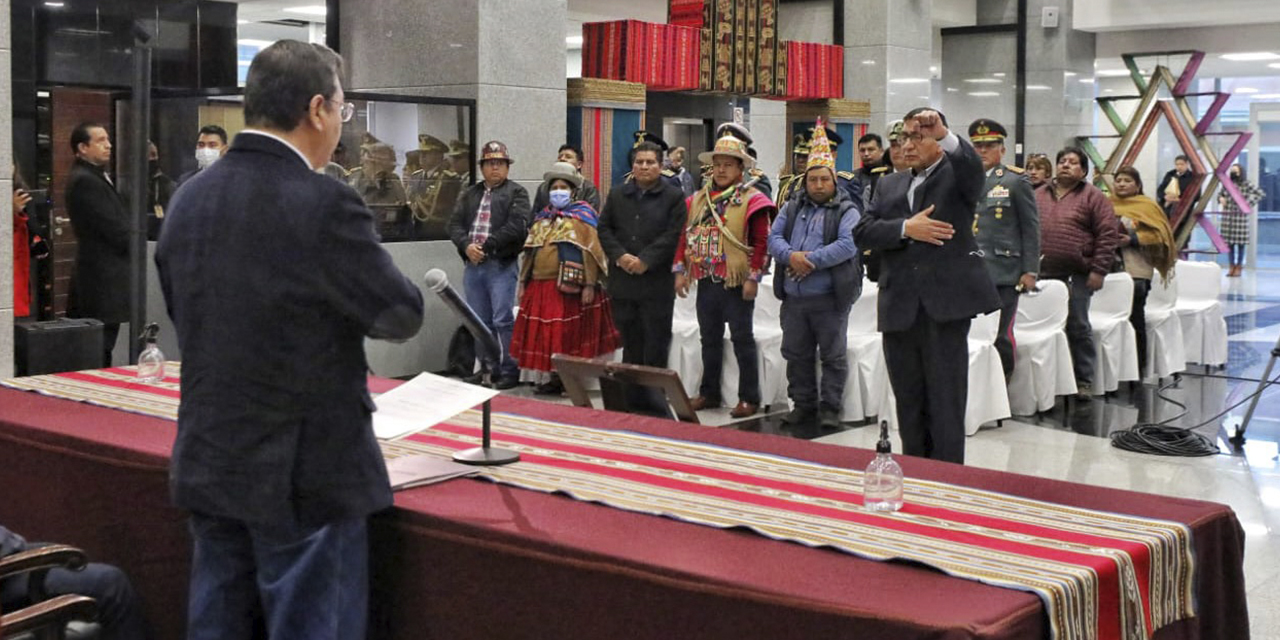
[
  {"x": 311, "y": 582},
  {"x": 491, "y": 290}
]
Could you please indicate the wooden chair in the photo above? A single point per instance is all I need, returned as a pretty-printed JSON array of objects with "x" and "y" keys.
[
  {"x": 615, "y": 379},
  {"x": 47, "y": 618}
]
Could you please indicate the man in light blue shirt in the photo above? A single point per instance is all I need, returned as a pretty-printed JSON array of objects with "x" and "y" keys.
[{"x": 818, "y": 278}]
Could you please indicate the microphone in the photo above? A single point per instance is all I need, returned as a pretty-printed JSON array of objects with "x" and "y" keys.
[{"x": 438, "y": 281}]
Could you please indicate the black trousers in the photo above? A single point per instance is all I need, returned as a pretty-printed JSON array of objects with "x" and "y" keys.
[
  {"x": 645, "y": 326},
  {"x": 718, "y": 305},
  {"x": 110, "y": 331},
  {"x": 929, "y": 370},
  {"x": 1138, "y": 318},
  {"x": 1005, "y": 344},
  {"x": 812, "y": 327}
]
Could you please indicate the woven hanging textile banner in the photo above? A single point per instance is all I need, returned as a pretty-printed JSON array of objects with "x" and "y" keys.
[{"x": 1102, "y": 576}]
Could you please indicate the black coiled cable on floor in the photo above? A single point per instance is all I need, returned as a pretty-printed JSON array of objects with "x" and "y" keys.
[{"x": 1162, "y": 440}]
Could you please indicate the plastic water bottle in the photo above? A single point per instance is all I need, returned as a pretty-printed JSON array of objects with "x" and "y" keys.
[
  {"x": 882, "y": 484},
  {"x": 151, "y": 360}
]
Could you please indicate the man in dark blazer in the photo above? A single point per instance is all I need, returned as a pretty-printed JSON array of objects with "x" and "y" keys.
[
  {"x": 100, "y": 282},
  {"x": 639, "y": 229},
  {"x": 932, "y": 282},
  {"x": 274, "y": 277},
  {"x": 489, "y": 225}
]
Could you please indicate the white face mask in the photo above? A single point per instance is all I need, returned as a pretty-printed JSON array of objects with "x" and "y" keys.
[{"x": 206, "y": 157}]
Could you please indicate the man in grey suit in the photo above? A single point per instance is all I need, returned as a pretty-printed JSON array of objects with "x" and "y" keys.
[
  {"x": 1007, "y": 228},
  {"x": 932, "y": 281},
  {"x": 274, "y": 277}
]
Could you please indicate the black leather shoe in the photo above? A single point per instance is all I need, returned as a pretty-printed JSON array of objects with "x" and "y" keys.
[
  {"x": 503, "y": 384},
  {"x": 475, "y": 378},
  {"x": 829, "y": 419},
  {"x": 799, "y": 416}
]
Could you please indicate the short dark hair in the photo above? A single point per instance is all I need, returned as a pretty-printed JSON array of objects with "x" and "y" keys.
[
  {"x": 213, "y": 130},
  {"x": 919, "y": 110},
  {"x": 872, "y": 137},
  {"x": 1078, "y": 153},
  {"x": 80, "y": 135},
  {"x": 582, "y": 157},
  {"x": 1183, "y": 157},
  {"x": 644, "y": 146},
  {"x": 1132, "y": 172},
  {"x": 282, "y": 80}
]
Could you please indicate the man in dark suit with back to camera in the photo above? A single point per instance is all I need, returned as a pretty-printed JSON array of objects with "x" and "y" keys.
[
  {"x": 932, "y": 281},
  {"x": 100, "y": 282},
  {"x": 274, "y": 277}
]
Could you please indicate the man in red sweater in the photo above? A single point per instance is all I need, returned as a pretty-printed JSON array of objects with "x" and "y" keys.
[
  {"x": 1078, "y": 238},
  {"x": 724, "y": 249}
]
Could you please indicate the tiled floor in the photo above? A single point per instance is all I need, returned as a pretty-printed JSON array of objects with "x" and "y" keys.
[{"x": 1075, "y": 447}]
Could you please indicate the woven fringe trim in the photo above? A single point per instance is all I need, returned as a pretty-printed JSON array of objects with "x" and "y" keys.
[{"x": 599, "y": 91}]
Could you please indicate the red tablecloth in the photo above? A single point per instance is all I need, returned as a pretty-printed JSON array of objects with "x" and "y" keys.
[{"x": 470, "y": 559}]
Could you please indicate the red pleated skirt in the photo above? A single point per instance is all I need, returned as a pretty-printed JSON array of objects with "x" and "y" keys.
[{"x": 552, "y": 322}]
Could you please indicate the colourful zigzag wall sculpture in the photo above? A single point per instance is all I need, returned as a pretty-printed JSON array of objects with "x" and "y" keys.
[{"x": 1193, "y": 136}]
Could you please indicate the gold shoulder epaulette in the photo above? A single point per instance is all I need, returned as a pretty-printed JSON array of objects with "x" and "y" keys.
[
  {"x": 1015, "y": 169},
  {"x": 880, "y": 170},
  {"x": 847, "y": 175},
  {"x": 669, "y": 173}
]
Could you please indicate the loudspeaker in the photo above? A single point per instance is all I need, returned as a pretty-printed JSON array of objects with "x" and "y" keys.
[{"x": 51, "y": 346}]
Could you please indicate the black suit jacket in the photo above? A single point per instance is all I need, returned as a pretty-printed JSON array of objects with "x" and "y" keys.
[
  {"x": 508, "y": 220},
  {"x": 100, "y": 283},
  {"x": 950, "y": 282},
  {"x": 273, "y": 276},
  {"x": 647, "y": 227}
]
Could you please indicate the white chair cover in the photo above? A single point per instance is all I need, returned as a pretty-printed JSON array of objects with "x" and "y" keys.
[
  {"x": 1042, "y": 366},
  {"x": 866, "y": 387},
  {"x": 988, "y": 398},
  {"x": 1166, "y": 349},
  {"x": 685, "y": 356},
  {"x": 1114, "y": 340},
  {"x": 1204, "y": 329}
]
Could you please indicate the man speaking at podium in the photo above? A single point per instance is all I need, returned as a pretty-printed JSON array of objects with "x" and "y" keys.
[{"x": 274, "y": 277}]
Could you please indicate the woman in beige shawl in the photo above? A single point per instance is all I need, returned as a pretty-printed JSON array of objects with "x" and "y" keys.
[{"x": 1150, "y": 248}]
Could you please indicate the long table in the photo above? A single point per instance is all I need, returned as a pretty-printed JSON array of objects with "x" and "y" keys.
[{"x": 473, "y": 559}]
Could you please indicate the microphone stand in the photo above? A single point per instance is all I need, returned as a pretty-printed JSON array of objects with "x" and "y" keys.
[{"x": 485, "y": 455}]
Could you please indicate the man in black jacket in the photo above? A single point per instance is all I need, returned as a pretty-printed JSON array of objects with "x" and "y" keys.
[
  {"x": 639, "y": 228},
  {"x": 100, "y": 282},
  {"x": 274, "y": 278},
  {"x": 932, "y": 281},
  {"x": 489, "y": 224}
]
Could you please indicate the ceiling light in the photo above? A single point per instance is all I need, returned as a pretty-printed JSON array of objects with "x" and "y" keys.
[
  {"x": 242, "y": 22},
  {"x": 908, "y": 80},
  {"x": 999, "y": 74},
  {"x": 1086, "y": 80},
  {"x": 952, "y": 89},
  {"x": 984, "y": 94},
  {"x": 1251, "y": 58},
  {"x": 868, "y": 62},
  {"x": 1038, "y": 87},
  {"x": 933, "y": 69},
  {"x": 309, "y": 10},
  {"x": 1265, "y": 96},
  {"x": 1246, "y": 90},
  {"x": 983, "y": 80},
  {"x": 1111, "y": 73},
  {"x": 55, "y": 5},
  {"x": 1069, "y": 73},
  {"x": 1274, "y": 65}
]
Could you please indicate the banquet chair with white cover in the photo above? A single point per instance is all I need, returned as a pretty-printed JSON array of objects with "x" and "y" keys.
[
  {"x": 1042, "y": 364},
  {"x": 1204, "y": 329},
  {"x": 866, "y": 386},
  {"x": 988, "y": 398},
  {"x": 685, "y": 356},
  {"x": 1166, "y": 349},
  {"x": 1114, "y": 340}
]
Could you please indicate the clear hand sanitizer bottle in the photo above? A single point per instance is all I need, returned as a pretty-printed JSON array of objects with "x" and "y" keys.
[
  {"x": 882, "y": 484},
  {"x": 151, "y": 360}
]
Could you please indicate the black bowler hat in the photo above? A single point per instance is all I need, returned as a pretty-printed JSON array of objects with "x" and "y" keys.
[
  {"x": 645, "y": 136},
  {"x": 987, "y": 130}
]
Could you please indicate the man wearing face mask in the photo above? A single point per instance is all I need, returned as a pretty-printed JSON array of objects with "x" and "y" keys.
[
  {"x": 587, "y": 192},
  {"x": 159, "y": 189},
  {"x": 211, "y": 144}
]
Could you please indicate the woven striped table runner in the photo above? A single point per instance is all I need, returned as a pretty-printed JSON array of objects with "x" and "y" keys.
[{"x": 1100, "y": 575}]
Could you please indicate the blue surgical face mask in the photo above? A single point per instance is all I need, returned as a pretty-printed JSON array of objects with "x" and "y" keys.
[{"x": 561, "y": 198}]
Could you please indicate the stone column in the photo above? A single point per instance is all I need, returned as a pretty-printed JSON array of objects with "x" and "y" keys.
[
  {"x": 1060, "y": 87},
  {"x": 768, "y": 126},
  {"x": 887, "y": 49},
  {"x": 6, "y": 187},
  {"x": 496, "y": 52}
]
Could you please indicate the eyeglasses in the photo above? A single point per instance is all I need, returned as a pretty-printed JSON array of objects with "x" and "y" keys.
[{"x": 345, "y": 109}]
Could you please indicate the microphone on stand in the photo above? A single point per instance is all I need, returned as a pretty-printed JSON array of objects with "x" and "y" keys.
[{"x": 437, "y": 281}]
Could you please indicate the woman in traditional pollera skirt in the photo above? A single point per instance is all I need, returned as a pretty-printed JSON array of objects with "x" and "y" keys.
[
  {"x": 563, "y": 307},
  {"x": 1235, "y": 223}
]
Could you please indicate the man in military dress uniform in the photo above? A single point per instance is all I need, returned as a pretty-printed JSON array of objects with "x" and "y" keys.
[
  {"x": 432, "y": 189},
  {"x": 874, "y": 165},
  {"x": 668, "y": 175},
  {"x": 794, "y": 178},
  {"x": 1006, "y": 227},
  {"x": 460, "y": 160},
  {"x": 383, "y": 191},
  {"x": 893, "y": 162}
]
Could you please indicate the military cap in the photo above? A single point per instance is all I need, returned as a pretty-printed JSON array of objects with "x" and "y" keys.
[
  {"x": 413, "y": 156},
  {"x": 431, "y": 143},
  {"x": 379, "y": 151},
  {"x": 832, "y": 137},
  {"x": 800, "y": 145},
  {"x": 897, "y": 131},
  {"x": 736, "y": 130},
  {"x": 458, "y": 148},
  {"x": 645, "y": 136},
  {"x": 986, "y": 130}
]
